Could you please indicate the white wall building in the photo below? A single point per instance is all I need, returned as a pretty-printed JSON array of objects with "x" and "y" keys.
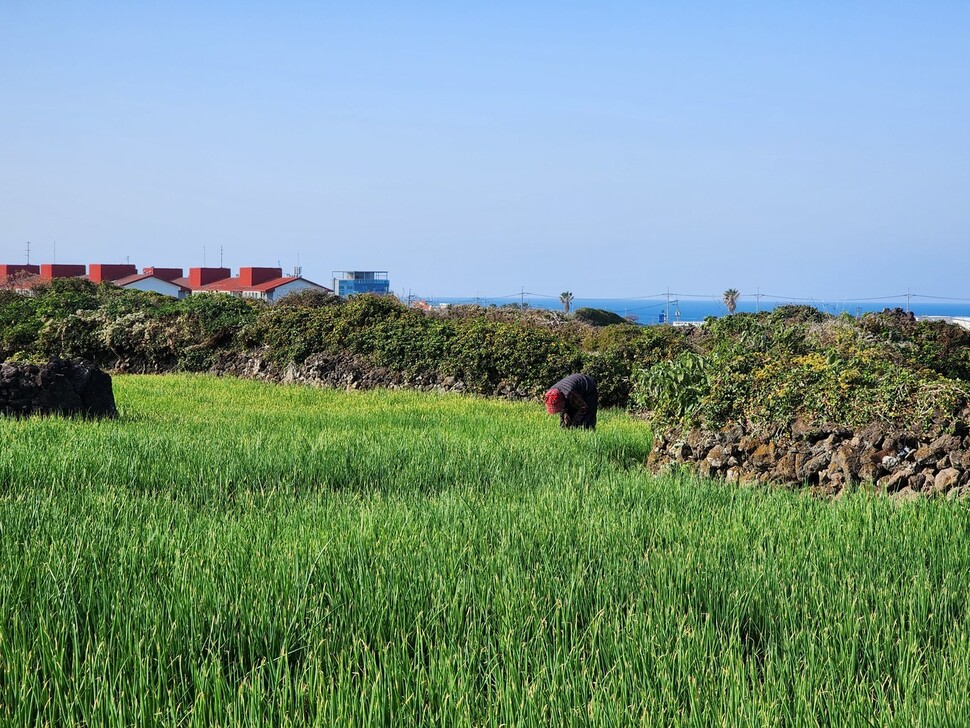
[{"x": 149, "y": 282}]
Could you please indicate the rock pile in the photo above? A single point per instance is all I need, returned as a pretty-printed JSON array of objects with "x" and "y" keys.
[
  {"x": 58, "y": 387},
  {"x": 828, "y": 458}
]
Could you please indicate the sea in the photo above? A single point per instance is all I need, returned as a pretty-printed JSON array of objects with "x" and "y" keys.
[{"x": 679, "y": 309}]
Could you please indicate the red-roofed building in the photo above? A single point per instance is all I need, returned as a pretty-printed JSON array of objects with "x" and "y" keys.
[
  {"x": 166, "y": 274},
  {"x": 250, "y": 277},
  {"x": 201, "y": 277},
  {"x": 20, "y": 270},
  {"x": 49, "y": 271},
  {"x": 265, "y": 284},
  {"x": 154, "y": 282},
  {"x": 101, "y": 272},
  {"x": 19, "y": 277},
  {"x": 24, "y": 278}
]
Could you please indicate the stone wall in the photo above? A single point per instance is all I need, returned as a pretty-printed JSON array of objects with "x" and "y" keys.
[
  {"x": 59, "y": 387},
  {"x": 343, "y": 371},
  {"x": 826, "y": 459}
]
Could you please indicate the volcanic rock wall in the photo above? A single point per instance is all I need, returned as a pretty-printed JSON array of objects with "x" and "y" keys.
[
  {"x": 58, "y": 387},
  {"x": 827, "y": 459}
]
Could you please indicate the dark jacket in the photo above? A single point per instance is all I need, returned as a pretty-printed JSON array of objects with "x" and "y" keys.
[{"x": 581, "y": 401}]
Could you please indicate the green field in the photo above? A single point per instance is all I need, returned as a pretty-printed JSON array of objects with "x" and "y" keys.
[{"x": 229, "y": 552}]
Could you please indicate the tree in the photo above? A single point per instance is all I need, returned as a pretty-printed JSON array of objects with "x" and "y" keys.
[
  {"x": 730, "y": 299},
  {"x": 566, "y": 299}
]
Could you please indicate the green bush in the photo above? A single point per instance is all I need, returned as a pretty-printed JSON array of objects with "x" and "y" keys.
[
  {"x": 20, "y": 324},
  {"x": 673, "y": 390},
  {"x": 770, "y": 369},
  {"x": 598, "y": 317}
]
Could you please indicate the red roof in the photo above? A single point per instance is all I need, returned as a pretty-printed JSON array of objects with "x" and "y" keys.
[
  {"x": 233, "y": 285},
  {"x": 276, "y": 283},
  {"x": 143, "y": 276},
  {"x": 226, "y": 285}
]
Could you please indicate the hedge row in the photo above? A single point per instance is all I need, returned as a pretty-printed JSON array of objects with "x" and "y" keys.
[
  {"x": 489, "y": 349},
  {"x": 765, "y": 371}
]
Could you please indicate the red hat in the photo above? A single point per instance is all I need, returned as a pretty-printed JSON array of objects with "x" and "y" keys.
[{"x": 555, "y": 402}]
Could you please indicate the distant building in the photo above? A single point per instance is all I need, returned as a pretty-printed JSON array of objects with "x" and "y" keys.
[
  {"x": 49, "y": 271},
  {"x": 349, "y": 282},
  {"x": 105, "y": 272},
  {"x": 24, "y": 271},
  {"x": 25, "y": 278},
  {"x": 156, "y": 280},
  {"x": 20, "y": 278},
  {"x": 265, "y": 284}
]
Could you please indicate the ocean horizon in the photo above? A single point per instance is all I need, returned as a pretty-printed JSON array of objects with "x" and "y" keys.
[{"x": 658, "y": 309}]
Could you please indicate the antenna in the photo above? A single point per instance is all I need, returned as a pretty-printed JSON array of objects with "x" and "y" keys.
[
  {"x": 203, "y": 256},
  {"x": 28, "y": 252},
  {"x": 55, "y": 252},
  {"x": 220, "y": 256}
]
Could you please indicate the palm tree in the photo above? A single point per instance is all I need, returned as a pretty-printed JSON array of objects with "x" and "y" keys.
[
  {"x": 731, "y": 299},
  {"x": 566, "y": 298}
]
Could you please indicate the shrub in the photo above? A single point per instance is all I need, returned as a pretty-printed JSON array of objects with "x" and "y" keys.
[
  {"x": 673, "y": 390},
  {"x": 217, "y": 318},
  {"x": 598, "y": 317},
  {"x": 20, "y": 324}
]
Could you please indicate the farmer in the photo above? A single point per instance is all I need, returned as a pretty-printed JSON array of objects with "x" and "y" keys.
[{"x": 574, "y": 400}]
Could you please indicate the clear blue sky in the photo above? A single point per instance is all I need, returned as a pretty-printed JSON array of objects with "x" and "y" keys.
[{"x": 612, "y": 149}]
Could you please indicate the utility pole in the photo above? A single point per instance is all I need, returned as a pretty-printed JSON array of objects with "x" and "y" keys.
[
  {"x": 667, "y": 315},
  {"x": 220, "y": 256},
  {"x": 757, "y": 298},
  {"x": 522, "y": 298},
  {"x": 907, "y": 300},
  {"x": 55, "y": 253},
  {"x": 28, "y": 252}
]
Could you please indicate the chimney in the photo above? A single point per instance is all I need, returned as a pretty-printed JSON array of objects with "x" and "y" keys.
[
  {"x": 199, "y": 277},
  {"x": 61, "y": 270},
  {"x": 99, "y": 272},
  {"x": 166, "y": 274},
  {"x": 249, "y": 277}
]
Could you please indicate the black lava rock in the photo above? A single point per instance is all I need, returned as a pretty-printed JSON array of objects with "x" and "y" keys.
[{"x": 64, "y": 387}]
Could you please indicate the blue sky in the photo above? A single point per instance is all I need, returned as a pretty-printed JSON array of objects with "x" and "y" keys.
[{"x": 611, "y": 149}]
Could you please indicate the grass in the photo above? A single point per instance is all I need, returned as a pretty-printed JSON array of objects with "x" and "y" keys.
[{"x": 236, "y": 553}]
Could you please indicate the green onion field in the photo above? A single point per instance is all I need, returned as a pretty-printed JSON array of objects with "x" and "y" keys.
[{"x": 237, "y": 553}]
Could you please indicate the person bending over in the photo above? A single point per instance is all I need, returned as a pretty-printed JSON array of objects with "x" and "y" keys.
[{"x": 574, "y": 400}]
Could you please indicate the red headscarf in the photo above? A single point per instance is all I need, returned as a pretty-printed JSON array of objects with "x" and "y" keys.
[{"x": 555, "y": 402}]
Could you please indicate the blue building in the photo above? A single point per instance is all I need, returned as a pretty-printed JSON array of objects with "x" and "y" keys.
[{"x": 349, "y": 282}]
